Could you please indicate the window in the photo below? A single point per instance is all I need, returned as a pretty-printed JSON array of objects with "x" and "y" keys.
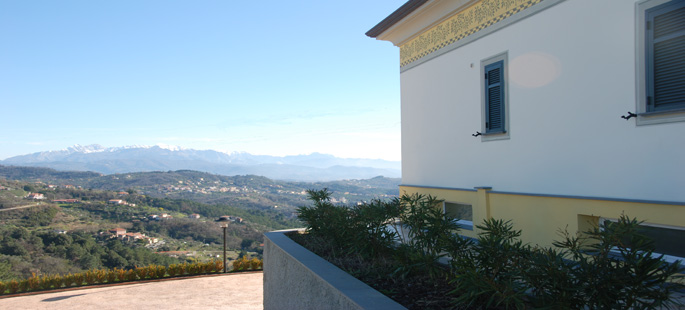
[
  {"x": 495, "y": 124},
  {"x": 462, "y": 212},
  {"x": 661, "y": 61},
  {"x": 668, "y": 240}
]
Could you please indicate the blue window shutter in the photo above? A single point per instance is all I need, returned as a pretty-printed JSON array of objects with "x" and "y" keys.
[
  {"x": 494, "y": 97},
  {"x": 665, "y": 63}
]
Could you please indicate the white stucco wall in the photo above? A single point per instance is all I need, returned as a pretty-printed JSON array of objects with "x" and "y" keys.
[{"x": 566, "y": 135}]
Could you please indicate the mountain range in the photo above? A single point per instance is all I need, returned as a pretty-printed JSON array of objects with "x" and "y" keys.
[{"x": 111, "y": 160}]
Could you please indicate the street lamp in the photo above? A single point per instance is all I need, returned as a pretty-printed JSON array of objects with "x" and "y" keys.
[{"x": 224, "y": 224}]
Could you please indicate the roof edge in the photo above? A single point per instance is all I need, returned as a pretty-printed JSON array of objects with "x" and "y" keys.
[{"x": 402, "y": 12}]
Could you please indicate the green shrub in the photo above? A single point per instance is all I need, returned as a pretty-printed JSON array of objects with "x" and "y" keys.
[
  {"x": 326, "y": 219},
  {"x": 491, "y": 273},
  {"x": 3, "y": 287},
  {"x": 615, "y": 267},
  {"x": 609, "y": 267},
  {"x": 430, "y": 235}
]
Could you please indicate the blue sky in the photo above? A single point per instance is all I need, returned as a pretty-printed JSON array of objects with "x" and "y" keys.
[{"x": 264, "y": 77}]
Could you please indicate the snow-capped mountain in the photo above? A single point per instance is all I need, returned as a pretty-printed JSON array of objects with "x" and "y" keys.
[{"x": 313, "y": 167}]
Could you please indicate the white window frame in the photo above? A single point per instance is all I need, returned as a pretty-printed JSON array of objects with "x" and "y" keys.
[{"x": 645, "y": 117}]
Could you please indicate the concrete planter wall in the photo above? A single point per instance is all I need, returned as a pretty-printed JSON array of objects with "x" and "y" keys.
[{"x": 295, "y": 278}]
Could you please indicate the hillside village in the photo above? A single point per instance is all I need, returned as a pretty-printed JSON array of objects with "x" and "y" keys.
[{"x": 51, "y": 222}]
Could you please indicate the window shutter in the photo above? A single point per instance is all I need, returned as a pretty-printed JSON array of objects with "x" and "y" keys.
[
  {"x": 665, "y": 40},
  {"x": 494, "y": 97}
]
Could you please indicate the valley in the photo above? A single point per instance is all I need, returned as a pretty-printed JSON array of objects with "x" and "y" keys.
[{"x": 56, "y": 222}]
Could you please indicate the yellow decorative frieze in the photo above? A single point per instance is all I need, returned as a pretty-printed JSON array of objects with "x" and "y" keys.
[{"x": 476, "y": 17}]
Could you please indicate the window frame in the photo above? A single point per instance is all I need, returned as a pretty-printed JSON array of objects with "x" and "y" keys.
[
  {"x": 644, "y": 115},
  {"x": 463, "y": 224},
  {"x": 668, "y": 258},
  {"x": 504, "y": 133}
]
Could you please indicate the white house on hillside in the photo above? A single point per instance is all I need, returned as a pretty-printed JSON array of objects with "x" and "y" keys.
[{"x": 551, "y": 113}]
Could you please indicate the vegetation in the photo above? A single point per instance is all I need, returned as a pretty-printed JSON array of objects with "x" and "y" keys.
[
  {"x": 395, "y": 246},
  {"x": 108, "y": 276},
  {"x": 68, "y": 231}
]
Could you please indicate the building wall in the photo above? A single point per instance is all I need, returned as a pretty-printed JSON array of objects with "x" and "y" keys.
[
  {"x": 571, "y": 77},
  {"x": 542, "y": 217}
]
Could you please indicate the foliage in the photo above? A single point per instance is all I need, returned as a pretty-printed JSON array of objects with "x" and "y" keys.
[
  {"x": 491, "y": 273},
  {"x": 426, "y": 235},
  {"x": 616, "y": 267},
  {"x": 102, "y": 276},
  {"x": 362, "y": 228},
  {"x": 608, "y": 267}
]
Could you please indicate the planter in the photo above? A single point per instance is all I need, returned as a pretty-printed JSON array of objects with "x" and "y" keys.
[{"x": 295, "y": 278}]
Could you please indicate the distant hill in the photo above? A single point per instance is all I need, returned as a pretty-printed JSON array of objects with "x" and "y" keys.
[
  {"x": 250, "y": 191},
  {"x": 313, "y": 167}
]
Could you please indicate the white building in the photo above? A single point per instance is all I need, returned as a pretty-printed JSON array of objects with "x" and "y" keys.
[{"x": 513, "y": 109}]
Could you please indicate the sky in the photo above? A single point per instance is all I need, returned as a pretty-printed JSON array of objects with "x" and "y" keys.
[{"x": 263, "y": 77}]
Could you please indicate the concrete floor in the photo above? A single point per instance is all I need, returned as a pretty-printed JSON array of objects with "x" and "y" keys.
[{"x": 230, "y": 291}]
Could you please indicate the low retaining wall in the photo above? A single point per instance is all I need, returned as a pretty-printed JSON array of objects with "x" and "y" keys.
[{"x": 295, "y": 278}]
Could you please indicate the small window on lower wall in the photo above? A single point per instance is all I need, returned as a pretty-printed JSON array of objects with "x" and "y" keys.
[
  {"x": 460, "y": 211},
  {"x": 668, "y": 240}
]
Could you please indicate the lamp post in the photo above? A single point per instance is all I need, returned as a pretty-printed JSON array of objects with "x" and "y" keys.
[{"x": 224, "y": 224}]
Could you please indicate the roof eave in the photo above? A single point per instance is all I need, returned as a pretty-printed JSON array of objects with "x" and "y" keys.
[{"x": 399, "y": 14}]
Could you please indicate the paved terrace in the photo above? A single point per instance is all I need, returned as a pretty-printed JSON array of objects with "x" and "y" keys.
[{"x": 229, "y": 291}]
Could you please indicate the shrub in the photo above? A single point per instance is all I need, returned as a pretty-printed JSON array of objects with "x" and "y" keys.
[
  {"x": 182, "y": 269},
  {"x": 3, "y": 287},
  {"x": 100, "y": 275},
  {"x": 141, "y": 272},
  {"x": 33, "y": 283},
  {"x": 131, "y": 275},
  {"x": 24, "y": 286},
  {"x": 159, "y": 271},
  {"x": 430, "y": 235},
  {"x": 608, "y": 267},
  {"x": 79, "y": 278},
  {"x": 194, "y": 268},
  {"x": 241, "y": 264},
  {"x": 326, "y": 219},
  {"x": 615, "y": 267},
  {"x": 491, "y": 272},
  {"x": 46, "y": 282},
  {"x": 121, "y": 274},
  {"x": 255, "y": 263},
  {"x": 13, "y": 286},
  {"x": 111, "y": 275},
  {"x": 172, "y": 270},
  {"x": 68, "y": 280}
]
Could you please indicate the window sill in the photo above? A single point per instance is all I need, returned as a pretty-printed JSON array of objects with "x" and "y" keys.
[
  {"x": 660, "y": 117},
  {"x": 498, "y": 135}
]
